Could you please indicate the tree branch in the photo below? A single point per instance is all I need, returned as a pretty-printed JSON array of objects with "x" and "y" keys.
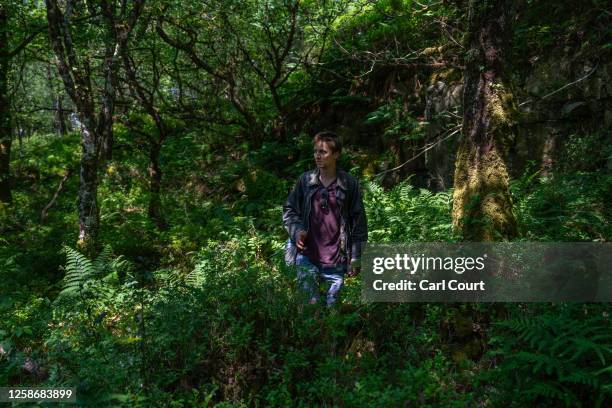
[{"x": 60, "y": 187}]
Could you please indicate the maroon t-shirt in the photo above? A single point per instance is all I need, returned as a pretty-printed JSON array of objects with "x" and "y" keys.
[{"x": 323, "y": 240}]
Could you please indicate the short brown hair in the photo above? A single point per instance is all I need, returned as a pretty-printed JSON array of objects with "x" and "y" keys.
[{"x": 330, "y": 137}]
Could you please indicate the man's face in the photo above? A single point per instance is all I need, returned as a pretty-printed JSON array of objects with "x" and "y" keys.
[{"x": 323, "y": 155}]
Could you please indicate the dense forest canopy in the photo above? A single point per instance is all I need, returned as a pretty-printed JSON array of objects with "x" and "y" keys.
[{"x": 147, "y": 147}]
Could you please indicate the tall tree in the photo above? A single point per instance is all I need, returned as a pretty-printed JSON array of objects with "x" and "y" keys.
[
  {"x": 93, "y": 96},
  {"x": 144, "y": 69},
  {"x": 6, "y": 134},
  {"x": 482, "y": 205},
  {"x": 8, "y": 50}
]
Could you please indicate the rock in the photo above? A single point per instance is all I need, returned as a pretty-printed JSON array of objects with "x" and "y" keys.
[{"x": 440, "y": 159}]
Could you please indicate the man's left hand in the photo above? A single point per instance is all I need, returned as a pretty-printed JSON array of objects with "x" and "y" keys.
[{"x": 354, "y": 270}]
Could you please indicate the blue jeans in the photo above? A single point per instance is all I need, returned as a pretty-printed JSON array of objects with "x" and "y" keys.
[{"x": 308, "y": 273}]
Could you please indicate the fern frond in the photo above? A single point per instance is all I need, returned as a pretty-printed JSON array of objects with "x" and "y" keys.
[
  {"x": 79, "y": 269},
  {"x": 81, "y": 274},
  {"x": 197, "y": 276},
  {"x": 553, "y": 391},
  {"x": 103, "y": 261}
]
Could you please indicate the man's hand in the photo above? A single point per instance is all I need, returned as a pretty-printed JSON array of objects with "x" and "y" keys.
[
  {"x": 354, "y": 271},
  {"x": 354, "y": 268},
  {"x": 301, "y": 240}
]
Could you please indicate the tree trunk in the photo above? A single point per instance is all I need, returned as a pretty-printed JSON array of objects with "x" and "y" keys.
[
  {"x": 6, "y": 195},
  {"x": 89, "y": 213},
  {"x": 76, "y": 80},
  {"x": 155, "y": 177},
  {"x": 482, "y": 205},
  {"x": 106, "y": 132},
  {"x": 20, "y": 133},
  {"x": 59, "y": 116},
  {"x": 108, "y": 103},
  {"x": 59, "y": 119},
  {"x": 6, "y": 134},
  {"x": 76, "y": 74}
]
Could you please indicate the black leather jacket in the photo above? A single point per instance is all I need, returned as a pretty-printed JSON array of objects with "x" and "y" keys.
[{"x": 353, "y": 223}]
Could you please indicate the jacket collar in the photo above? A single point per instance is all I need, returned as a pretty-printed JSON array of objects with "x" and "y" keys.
[{"x": 313, "y": 178}]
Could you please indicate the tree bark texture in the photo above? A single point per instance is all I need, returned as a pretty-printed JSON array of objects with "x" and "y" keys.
[
  {"x": 59, "y": 117},
  {"x": 107, "y": 108},
  {"x": 6, "y": 136},
  {"x": 482, "y": 205},
  {"x": 89, "y": 212}
]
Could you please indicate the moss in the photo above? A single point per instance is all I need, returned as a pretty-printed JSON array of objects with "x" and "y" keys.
[
  {"x": 501, "y": 106},
  {"x": 482, "y": 206},
  {"x": 445, "y": 75}
]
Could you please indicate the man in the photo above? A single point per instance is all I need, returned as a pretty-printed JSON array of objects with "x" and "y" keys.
[{"x": 326, "y": 222}]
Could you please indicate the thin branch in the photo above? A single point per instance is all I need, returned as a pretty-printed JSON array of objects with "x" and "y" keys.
[
  {"x": 420, "y": 153},
  {"x": 188, "y": 48},
  {"x": 60, "y": 187},
  {"x": 26, "y": 41},
  {"x": 564, "y": 86},
  {"x": 41, "y": 109}
]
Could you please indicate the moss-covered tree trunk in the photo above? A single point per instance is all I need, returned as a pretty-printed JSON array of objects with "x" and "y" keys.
[
  {"x": 482, "y": 205},
  {"x": 6, "y": 137}
]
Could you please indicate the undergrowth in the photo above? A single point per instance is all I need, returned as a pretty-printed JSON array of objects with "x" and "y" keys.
[{"x": 205, "y": 312}]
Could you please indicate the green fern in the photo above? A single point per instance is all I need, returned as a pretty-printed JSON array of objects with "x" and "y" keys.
[
  {"x": 196, "y": 277},
  {"x": 552, "y": 391},
  {"x": 79, "y": 269},
  {"x": 407, "y": 214},
  {"x": 562, "y": 355},
  {"x": 206, "y": 266},
  {"x": 103, "y": 262},
  {"x": 83, "y": 276}
]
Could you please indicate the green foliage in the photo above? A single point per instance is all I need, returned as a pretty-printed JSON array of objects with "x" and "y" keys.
[
  {"x": 39, "y": 166},
  {"x": 382, "y": 22},
  {"x": 588, "y": 152},
  {"x": 545, "y": 27},
  {"x": 83, "y": 274},
  {"x": 203, "y": 311},
  {"x": 558, "y": 355},
  {"x": 208, "y": 328},
  {"x": 79, "y": 270},
  {"x": 397, "y": 124},
  {"x": 569, "y": 207},
  {"x": 407, "y": 214},
  {"x": 220, "y": 322}
]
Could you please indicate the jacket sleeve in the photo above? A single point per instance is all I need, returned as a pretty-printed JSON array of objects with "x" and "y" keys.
[
  {"x": 359, "y": 234},
  {"x": 293, "y": 211}
]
